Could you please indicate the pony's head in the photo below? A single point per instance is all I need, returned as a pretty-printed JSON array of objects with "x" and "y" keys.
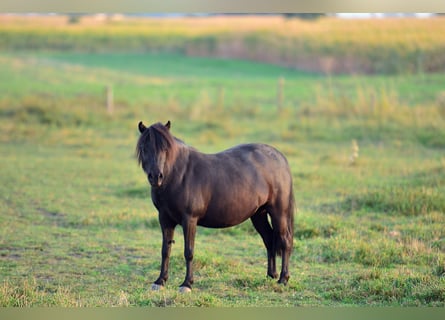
[{"x": 154, "y": 149}]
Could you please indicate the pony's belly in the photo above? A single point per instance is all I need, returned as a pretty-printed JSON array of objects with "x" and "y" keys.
[
  {"x": 213, "y": 225},
  {"x": 224, "y": 220},
  {"x": 209, "y": 224}
]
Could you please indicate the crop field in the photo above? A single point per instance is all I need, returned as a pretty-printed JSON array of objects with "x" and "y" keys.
[
  {"x": 367, "y": 153},
  {"x": 328, "y": 45}
]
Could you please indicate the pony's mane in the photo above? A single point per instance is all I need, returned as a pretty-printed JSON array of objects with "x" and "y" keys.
[{"x": 158, "y": 136}]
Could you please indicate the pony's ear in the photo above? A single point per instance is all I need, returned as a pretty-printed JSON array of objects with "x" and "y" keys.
[
  {"x": 141, "y": 127},
  {"x": 168, "y": 125}
]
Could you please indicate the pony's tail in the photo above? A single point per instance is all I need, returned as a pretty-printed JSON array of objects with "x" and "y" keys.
[
  {"x": 290, "y": 218},
  {"x": 279, "y": 242}
]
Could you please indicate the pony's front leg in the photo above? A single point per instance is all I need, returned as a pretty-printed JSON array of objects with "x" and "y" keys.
[
  {"x": 167, "y": 241},
  {"x": 189, "y": 228}
]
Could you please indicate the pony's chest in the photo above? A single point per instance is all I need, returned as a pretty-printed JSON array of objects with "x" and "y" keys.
[
  {"x": 180, "y": 201},
  {"x": 167, "y": 200}
]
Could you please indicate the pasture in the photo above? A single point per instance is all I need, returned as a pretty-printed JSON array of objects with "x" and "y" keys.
[{"x": 78, "y": 226}]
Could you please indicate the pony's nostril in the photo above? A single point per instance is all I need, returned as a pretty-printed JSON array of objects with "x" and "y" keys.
[
  {"x": 150, "y": 176},
  {"x": 161, "y": 176}
]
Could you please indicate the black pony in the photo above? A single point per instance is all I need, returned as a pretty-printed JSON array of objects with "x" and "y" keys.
[{"x": 219, "y": 190}]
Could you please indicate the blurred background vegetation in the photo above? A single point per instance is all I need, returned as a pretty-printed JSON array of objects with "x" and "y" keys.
[{"x": 327, "y": 45}]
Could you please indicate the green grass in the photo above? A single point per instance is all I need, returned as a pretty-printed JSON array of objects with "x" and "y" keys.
[{"x": 79, "y": 229}]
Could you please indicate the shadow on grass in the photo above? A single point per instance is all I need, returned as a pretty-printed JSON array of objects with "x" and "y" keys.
[{"x": 139, "y": 193}]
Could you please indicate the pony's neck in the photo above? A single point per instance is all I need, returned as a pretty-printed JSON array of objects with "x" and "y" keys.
[{"x": 176, "y": 167}]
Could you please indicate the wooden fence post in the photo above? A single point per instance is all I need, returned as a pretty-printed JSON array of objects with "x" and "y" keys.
[
  {"x": 220, "y": 103},
  {"x": 280, "y": 94},
  {"x": 109, "y": 98}
]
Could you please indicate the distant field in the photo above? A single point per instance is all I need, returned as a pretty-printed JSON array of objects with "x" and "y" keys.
[
  {"x": 359, "y": 111},
  {"x": 327, "y": 45}
]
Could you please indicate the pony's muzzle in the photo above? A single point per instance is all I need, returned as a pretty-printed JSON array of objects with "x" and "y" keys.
[{"x": 155, "y": 179}]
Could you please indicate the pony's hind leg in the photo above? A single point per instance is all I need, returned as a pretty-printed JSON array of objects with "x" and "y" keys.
[
  {"x": 262, "y": 226},
  {"x": 282, "y": 225},
  {"x": 285, "y": 257}
]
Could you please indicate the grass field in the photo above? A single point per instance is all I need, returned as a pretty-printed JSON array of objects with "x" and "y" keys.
[{"x": 79, "y": 229}]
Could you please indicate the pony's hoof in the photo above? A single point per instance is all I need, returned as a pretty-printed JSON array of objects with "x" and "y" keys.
[
  {"x": 184, "y": 290},
  {"x": 156, "y": 287}
]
